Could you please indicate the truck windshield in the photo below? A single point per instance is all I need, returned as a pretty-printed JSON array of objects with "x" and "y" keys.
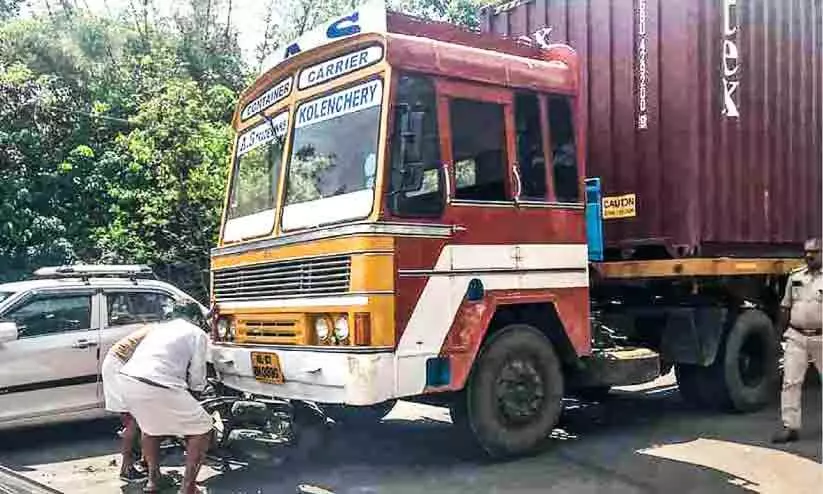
[
  {"x": 256, "y": 169},
  {"x": 333, "y": 160}
]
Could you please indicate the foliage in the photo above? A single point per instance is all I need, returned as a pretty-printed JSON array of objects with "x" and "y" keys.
[
  {"x": 114, "y": 143},
  {"x": 288, "y": 19},
  {"x": 115, "y": 128},
  {"x": 9, "y": 8},
  {"x": 460, "y": 12}
]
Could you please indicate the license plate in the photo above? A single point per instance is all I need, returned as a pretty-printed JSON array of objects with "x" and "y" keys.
[{"x": 266, "y": 367}]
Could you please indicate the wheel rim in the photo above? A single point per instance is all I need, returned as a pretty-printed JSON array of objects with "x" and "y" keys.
[
  {"x": 751, "y": 361},
  {"x": 519, "y": 391}
]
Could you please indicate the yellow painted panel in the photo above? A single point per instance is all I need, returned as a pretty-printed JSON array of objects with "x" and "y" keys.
[
  {"x": 382, "y": 322},
  {"x": 695, "y": 267},
  {"x": 381, "y": 308},
  {"x": 309, "y": 249},
  {"x": 371, "y": 273}
]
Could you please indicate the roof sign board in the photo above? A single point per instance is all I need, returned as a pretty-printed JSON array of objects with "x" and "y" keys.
[
  {"x": 339, "y": 66},
  {"x": 350, "y": 100},
  {"x": 276, "y": 93},
  {"x": 367, "y": 18},
  {"x": 263, "y": 133}
]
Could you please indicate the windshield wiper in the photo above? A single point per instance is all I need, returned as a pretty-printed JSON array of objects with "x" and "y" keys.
[{"x": 281, "y": 140}]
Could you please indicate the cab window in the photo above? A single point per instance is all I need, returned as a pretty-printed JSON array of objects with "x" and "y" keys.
[
  {"x": 529, "y": 139},
  {"x": 478, "y": 150},
  {"x": 51, "y": 314},
  {"x": 564, "y": 154},
  {"x": 137, "y": 307},
  {"x": 416, "y": 175}
]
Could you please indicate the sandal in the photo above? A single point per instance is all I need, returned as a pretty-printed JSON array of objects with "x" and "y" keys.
[
  {"x": 133, "y": 475},
  {"x": 165, "y": 482}
]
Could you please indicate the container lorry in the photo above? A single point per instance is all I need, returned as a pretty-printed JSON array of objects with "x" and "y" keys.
[{"x": 409, "y": 216}]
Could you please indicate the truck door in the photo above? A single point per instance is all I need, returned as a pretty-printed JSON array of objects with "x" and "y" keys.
[
  {"x": 478, "y": 149},
  {"x": 515, "y": 197}
]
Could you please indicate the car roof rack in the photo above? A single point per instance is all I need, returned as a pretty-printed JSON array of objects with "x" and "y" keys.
[{"x": 86, "y": 271}]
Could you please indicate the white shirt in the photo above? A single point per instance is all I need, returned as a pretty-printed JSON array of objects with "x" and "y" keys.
[{"x": 172, "y": 354}]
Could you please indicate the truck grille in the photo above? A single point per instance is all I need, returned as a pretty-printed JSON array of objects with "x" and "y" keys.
[
  {"x": 284, "y": 279},
  {"x": 275, "y": 329}
]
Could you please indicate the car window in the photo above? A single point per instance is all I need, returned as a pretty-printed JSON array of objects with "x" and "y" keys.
[
  {"x": 49, "y": 314},
  {"x": 137, "y": 307}
]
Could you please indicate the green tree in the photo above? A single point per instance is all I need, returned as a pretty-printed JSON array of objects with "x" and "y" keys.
[
  {"x": 114, "y": 140},
  {"x": 9, "y": 8},
  {"x": 461, "y": 12},
  {"x": 115, "y": 128}
]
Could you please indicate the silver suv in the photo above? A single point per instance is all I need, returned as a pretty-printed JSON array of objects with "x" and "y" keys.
[{"x": 55, "y": 330}]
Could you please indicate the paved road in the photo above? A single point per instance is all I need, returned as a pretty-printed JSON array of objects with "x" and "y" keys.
[{"x": 640, "y": 441}]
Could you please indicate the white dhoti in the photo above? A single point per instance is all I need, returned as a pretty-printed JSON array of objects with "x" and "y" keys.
[
  {"x": 164, "y": 411},
  {"x": 800, "y": 350},
  {"x": 112, "y": 384}
]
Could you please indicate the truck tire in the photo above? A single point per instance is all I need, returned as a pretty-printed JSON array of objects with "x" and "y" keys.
[
  {"x": 515, "y": 393},
  {"x": 354, "y": 415},
  {"x": 744, "y": 376}
]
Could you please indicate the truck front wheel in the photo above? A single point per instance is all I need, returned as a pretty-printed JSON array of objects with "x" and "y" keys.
[{"x": 514, "y": 395}]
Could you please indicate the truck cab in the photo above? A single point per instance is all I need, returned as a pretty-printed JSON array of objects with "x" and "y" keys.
[{"x": 394, "y": 197}]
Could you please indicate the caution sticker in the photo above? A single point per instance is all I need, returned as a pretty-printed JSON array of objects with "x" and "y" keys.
[{"x": 624, "y": 206}]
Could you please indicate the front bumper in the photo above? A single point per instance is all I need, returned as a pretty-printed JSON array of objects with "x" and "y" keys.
[{"x": 319, "y": 375}]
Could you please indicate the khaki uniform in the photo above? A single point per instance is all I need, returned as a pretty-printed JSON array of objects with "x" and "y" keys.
[{"x": 804, "y": 344}]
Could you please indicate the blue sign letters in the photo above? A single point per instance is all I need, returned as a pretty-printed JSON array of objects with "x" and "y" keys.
[{"x": 339, "y": 29}]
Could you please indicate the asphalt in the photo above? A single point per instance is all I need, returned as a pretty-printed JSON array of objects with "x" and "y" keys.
[{"x": 639, "y": 440}]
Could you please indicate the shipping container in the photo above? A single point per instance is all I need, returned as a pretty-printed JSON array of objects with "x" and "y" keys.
[{"x": 708, "y": 111}]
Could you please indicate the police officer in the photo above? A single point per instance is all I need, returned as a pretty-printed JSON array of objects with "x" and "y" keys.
[{"x": 800, "y": 321}]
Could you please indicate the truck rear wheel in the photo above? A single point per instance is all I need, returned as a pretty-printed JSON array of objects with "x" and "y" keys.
[
  {"x": 514, "y": 396},
  {"x": 744, "y": 376}
]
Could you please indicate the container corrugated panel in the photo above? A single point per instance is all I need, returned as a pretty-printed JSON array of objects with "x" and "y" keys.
[{"x": 708, "y": 110}]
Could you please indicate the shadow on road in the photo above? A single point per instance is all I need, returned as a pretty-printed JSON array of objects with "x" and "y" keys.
[
  {"x": 640, "y": 441},
  {"x": 57, "y": 443},
  {"x": 646, "y": 441}
]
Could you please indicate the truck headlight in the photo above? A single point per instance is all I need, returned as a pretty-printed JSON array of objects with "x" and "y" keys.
[
  {"x": 341, "y": 328},
  {"x": 322, "y": 329}
]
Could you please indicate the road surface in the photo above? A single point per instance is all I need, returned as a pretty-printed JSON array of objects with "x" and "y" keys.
[{"x": 641, "y": 440}]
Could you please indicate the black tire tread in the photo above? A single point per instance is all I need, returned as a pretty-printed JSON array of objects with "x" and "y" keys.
[
  {"x": 716, "y": 387},
  {"x": 496, "y": 441}
]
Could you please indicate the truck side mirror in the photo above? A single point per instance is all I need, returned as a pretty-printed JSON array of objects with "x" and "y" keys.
[
  {"x": 412, "y": 177},
  {"x": 411, "y": 133},
  {"x": 8, "y": 331}
]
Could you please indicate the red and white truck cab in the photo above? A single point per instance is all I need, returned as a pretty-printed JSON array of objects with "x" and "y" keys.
[{"x": 407, "y": 218}]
